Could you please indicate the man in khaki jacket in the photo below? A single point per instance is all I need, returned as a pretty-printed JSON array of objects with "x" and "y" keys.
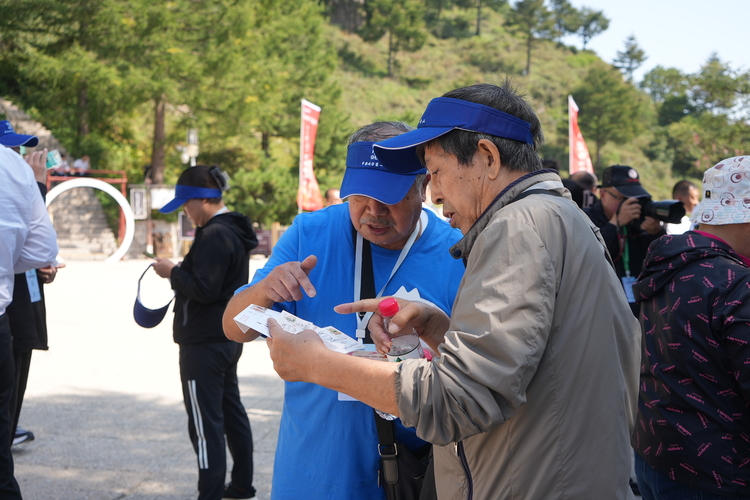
[{"x": 534, "y": 391}]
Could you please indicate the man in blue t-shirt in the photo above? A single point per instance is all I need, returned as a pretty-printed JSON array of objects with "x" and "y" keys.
[{"x": 327, "y": 446}]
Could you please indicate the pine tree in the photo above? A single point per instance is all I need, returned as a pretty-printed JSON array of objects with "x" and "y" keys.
[
  {"x": 630, "y": 59},
  {"x": 534, "y": 21}
]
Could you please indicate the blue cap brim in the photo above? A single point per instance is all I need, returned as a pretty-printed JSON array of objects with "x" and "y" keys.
[
  {"x": 148, "y": 318},
  {"x": 172, "y": 206},
  {"x": 399, "y": 154},
  {"x": 145, "y": 317},
  {"x": 386, "y": 187},
  {"x": 16, "y": 140}
]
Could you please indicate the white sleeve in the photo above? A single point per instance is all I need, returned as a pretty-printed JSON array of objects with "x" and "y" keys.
[{"x": 40, "y": 248}]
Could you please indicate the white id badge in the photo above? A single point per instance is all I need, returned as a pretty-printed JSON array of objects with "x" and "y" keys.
[
  {"x": 627, "y": 284},
  {"x": 34, "y": 293}
]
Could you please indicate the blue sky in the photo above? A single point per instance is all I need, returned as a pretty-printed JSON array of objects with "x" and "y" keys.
[{"x": 674, "y": 33}]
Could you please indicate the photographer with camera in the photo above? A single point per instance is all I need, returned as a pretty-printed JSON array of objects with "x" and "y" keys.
[{"x": 627, "y": 219}]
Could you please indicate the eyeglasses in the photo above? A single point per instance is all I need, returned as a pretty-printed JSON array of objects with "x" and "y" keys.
[{"x": 616, "y": 196}]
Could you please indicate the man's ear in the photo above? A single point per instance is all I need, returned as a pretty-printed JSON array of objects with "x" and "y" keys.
[{"x": 490, "y": 157}]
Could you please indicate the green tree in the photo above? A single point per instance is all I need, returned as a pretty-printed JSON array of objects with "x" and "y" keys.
[
  {"x": 263, "y": 62},
  {"x": 49, "y": 52},
  {"x": 701, "y": 140},
  {"x": 491, "y": 4},
  {"x": 533, "y": 21},
  {"x": 235, "y": 70},
  {"x": 346, "y": 13},
  {"x": 567, "y": 17},
  {"x": 611, "y": 110},
  {"x": 591, "y": 23},
  {"x": 715, "y": 87},
  {"x": 703, "y": 114},
  {"x": 668, "y": 88},
  {"x": 630, "y": 59},
  {"x": 662, "y": 82},
  {"x": 162, "y": 44},
  {"x": 401, "y": 20}
]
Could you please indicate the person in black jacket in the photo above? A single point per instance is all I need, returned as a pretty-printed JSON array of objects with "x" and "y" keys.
[
  {"x": 618, "y": 214},
  {"x": 27, "y": 313},
  {"x": 216, "y": 265}
]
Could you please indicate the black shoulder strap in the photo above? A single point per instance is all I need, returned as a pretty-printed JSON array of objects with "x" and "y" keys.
[
  {"x": 387, "y": 449},
  {"x": 529, "y": 192},
  {"x": 367, "y": 286}
]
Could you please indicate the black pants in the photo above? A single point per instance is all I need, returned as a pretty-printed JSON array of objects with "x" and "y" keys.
[
  {"x": 23, "y": 363},
  {"x": 9, "y": 489},
  {"x": 212, "y": 399}
]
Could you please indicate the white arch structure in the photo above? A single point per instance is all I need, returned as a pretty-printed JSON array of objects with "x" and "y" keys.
[{"x": 114, "y": 193}]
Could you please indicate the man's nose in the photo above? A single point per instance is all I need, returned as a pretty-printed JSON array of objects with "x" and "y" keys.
[
  {"x": 375, "y": 207},
  {"x": 435, "y": 193}
]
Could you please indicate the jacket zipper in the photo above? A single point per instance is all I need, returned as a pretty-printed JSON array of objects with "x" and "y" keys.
[{"x": 459, "y": 447}]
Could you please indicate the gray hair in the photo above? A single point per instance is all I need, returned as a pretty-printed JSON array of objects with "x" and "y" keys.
[
  {"x": 419, "y": 180},
  {"x": 380, "y": 131}
]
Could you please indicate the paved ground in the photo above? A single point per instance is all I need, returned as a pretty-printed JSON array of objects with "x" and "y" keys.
[{"x": 105, "y": 401}]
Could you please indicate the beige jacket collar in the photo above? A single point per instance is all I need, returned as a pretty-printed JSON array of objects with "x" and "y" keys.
[{"x": 463, "y": 247}]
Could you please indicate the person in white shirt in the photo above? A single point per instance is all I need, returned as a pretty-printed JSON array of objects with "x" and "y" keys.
[
  {"x": 687, "y": 193},
  {"x": 27, "y": 241},
  {"x": 82, "y": 165}
]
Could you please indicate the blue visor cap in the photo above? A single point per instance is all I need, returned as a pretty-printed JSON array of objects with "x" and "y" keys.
[
  {"x": 365, "y": 176},
  {"x": 9, "y": 138},
  {"x": 442, "y": 115},
  {"x": 145, "y": 317},
  {"x": 185, "y": 193}
]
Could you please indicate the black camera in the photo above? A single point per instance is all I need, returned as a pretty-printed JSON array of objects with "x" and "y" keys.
[{"x": 671, "y": 211}]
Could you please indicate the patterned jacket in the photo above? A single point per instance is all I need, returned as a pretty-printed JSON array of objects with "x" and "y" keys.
[{"x": 693, "y": 421}]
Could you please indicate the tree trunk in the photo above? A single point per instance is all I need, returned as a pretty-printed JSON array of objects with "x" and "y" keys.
[
  {"x": 598, "y": 148},
  {"x": 479, "y": 16},
  {"x": 264, "y": 143},
  {"x": 529, "y": 41},
  {"x": 157, "y": 157},
  {"x": 83, "y": 111},
  {"x": 83, "y": 97},
  {"x": 390, "y": 54}
]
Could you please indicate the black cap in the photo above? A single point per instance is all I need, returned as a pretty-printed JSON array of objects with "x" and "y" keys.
[{"x": 625, "y": 179}]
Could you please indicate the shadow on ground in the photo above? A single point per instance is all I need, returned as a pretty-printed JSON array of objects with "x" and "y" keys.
[{"x": 108, "y": 445}]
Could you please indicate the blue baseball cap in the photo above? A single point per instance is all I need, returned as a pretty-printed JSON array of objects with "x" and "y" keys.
[
  {"x": 9, "y": 138},
  {"x": 442, "y": 115},
  {"x": 366, "y": 176},
  {"x": 184, "y": 193}
]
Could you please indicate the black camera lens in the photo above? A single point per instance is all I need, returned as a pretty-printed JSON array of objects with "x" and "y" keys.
[{"x": 670, "y": 211}]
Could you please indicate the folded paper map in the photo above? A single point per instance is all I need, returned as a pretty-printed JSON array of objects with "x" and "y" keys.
[{"x": 256, "y": 318}]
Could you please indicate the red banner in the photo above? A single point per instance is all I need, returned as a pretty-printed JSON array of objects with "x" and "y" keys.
[
  {"x": 579, "y": 153},
  {"x": 308, "y": 194}
]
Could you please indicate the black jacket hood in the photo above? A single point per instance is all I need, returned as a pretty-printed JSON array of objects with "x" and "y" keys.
[
  {"x": 241, "y": 225},
  {"x": 668, "y": 254}
]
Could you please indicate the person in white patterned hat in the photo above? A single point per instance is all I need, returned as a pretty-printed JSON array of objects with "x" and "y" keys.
[{"x": 691, "y": 435}]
